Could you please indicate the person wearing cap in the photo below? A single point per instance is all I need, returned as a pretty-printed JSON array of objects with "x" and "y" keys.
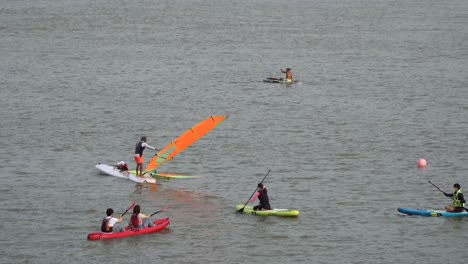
[
  {"x": 262, "y": 195},
  {"x": 289, "y": 77},
  {"x": 122, "y": 167},
  {"x": 139, "y": 147},
  {"x": 458, "y": 200},
  {"x": 108, "y": 223}
]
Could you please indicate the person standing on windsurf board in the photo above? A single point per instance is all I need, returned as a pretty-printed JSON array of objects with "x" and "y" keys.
[{"x": 139, "y": 147}]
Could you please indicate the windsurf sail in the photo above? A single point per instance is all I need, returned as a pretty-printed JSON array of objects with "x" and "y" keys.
[{"x": 183, "y": 141}]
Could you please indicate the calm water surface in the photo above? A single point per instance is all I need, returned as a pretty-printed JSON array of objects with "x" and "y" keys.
[{"x": 383, "y": 83}]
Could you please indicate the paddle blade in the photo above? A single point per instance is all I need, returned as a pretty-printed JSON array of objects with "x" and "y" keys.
[
  {"x": 131, "y": 206},
  {"x": 241, "y": 210}
]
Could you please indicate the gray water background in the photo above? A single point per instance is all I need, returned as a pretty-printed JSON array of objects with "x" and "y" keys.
[{"x": 383, "y": 84}]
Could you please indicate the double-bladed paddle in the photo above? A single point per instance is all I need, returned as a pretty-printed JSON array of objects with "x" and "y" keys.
[
  {"x": 242, "y": 209},
  {"x": 466, "y": 209}
]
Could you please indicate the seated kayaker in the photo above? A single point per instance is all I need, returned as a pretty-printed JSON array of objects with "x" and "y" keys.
[
  {"x": 122, "y": 166},
  {"x": 289, "y": 77},
  {"x": 139, "y": 220},
  {"x": 108, "y": 223},
  {"x": 262, "y": 195},
  {"x": 458, "y": 200}
]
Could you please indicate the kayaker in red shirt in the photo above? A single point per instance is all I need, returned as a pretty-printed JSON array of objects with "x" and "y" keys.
[{"x": 139, "y": 220}]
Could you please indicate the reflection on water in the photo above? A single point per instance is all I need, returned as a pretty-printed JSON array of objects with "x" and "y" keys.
[{"x": 140, "y": 187}]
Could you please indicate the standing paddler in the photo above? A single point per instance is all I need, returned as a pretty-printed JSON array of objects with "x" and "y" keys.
[{"x": 140, "y": 146}]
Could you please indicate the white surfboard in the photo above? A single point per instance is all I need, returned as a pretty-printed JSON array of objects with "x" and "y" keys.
[
  {"x": 144, "y": 179},
  {"x": 112, "y": 171}
]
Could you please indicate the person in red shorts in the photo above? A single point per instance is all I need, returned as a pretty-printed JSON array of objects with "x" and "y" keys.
[{"x": 139, "y": 147}]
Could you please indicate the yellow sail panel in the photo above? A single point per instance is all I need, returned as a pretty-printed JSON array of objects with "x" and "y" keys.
[{"x": 183, "y": 141}]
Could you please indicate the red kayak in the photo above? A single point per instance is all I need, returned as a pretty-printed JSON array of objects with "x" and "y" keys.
[{"x": 159, "y": 224}]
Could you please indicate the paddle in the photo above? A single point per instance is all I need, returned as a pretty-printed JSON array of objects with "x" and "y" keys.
[
  {"x": 129, "y": 208},
  {"x": 242, "y": 209},
  {"x": 466, "y": 209},
  {"x": 169, "y": 206}
]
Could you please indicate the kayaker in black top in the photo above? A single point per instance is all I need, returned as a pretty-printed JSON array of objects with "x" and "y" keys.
[
  {"x": 109, "y": 222},
  {"x": 458, "y": 200},
  {"x": 262, "y": 195}
]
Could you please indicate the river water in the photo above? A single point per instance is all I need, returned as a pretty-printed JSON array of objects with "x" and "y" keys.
[{"x": 383, "y": 83}]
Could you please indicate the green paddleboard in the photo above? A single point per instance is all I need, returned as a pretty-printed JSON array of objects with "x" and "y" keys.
[
  {"x": 169, "y": 176},
  {"x": 273, "y": 212}
]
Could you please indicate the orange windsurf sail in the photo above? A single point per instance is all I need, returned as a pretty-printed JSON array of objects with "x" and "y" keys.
[{"x": 183, "y": 141}]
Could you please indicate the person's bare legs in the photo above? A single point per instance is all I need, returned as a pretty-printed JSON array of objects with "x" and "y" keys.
[{"x": 139, "y": 170}]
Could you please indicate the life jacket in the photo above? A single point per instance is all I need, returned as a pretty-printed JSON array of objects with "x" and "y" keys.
[
  {"x": 105, "y": 227},
  {"x": 123, "y": 167},
  {"x": 455, "y": 197},
  {"x": 134, "y": 220},
  {"x": 139, "y": 148},
  {"x": 263, "y": 196}
]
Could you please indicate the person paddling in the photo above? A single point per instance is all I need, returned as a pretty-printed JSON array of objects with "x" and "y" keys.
[
  {"x": 262, "y": 195},
  {"x": 139, "y": 220},
  {"x": 139, "y": 147},
  {"x": 458, "y": 200},
  {"x": 108, "y": 223},
  {"x": 289, "y": 77}
]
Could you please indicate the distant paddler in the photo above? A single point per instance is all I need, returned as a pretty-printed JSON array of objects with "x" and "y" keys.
[
  {"x": 139, "y": 147},
  {"x": 289, "y": 77}
]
